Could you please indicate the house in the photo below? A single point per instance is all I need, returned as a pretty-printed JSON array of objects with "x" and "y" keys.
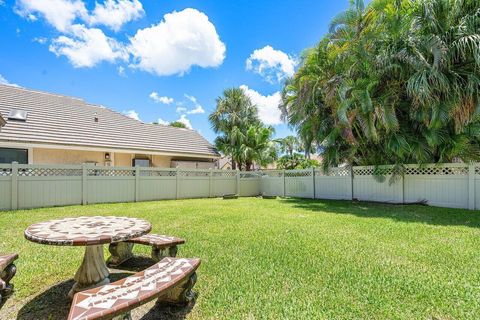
[{"x": 45, "y": 128}]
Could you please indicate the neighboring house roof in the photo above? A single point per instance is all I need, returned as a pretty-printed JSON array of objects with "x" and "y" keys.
[{"x": 61, "y": 120}]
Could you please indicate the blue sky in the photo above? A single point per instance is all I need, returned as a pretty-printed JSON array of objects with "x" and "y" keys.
[{"x": 162, "y": 59}]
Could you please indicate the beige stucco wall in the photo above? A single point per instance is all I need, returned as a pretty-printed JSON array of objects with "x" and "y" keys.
[
  {"x": 58, "y": 156},
  {"x": 122, "y": 159},
  {"x": 161, "y": 161}
]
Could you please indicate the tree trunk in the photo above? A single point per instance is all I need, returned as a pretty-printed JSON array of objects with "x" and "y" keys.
[{"x": 234, "y": 165}]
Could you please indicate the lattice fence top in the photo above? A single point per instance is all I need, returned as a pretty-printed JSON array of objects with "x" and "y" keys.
[
  {"x": 111, "y": 172},
  {"x": 158, "y": 173},
  {"x": 244, "y": 175},
  {"x": 193, "y": 173},
  {"x": 437, "y": 171},
  {"x": 477, "y": 170},
  {"x": 333, "y": 172},
  {"x": 49, "y": 172},
  {"x": 294, "y": 173},
  {"x": 5, "y": 172},
  {"x": 224, "y": 174},
  {"x": 369, "y": 171},
  {"x": 272, "y": 173}
]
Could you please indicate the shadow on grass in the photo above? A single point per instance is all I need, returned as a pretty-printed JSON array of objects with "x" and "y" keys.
[{"x": 403, "y": 213}]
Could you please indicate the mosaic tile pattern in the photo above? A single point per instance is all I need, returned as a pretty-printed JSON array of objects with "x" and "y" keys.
[
  {"x": 6, "y": 259},
  {"x": 157, "y": 240},
  {"x": 83, "y": 231},
  {"x": 128, "y": 293}
]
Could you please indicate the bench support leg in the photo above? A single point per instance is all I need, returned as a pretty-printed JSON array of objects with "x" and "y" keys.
[
  {"x": 158, "y": 254},
  {"x": 182, "y": 294},
  {"x": 6, "y": 275},
  {"x": 120, "y": 252},
  {"x": 93, "y": 271}
]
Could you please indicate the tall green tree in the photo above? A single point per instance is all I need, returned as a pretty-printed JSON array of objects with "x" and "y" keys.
[
  {"x": 241, "y": 134},
  {"x": 393, "y": 82}
]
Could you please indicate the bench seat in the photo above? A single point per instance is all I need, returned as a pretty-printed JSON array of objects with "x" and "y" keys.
[
  {"x": 7, "y": 271},
  {"x": 162, "y": 246},
  {"x": 169, "y": 280}
]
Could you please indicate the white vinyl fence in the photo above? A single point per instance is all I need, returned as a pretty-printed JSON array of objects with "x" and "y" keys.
[{"x": 33, "y": 186}]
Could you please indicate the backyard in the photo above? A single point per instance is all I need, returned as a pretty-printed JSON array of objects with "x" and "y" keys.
[{"x": 278, "y": 259}]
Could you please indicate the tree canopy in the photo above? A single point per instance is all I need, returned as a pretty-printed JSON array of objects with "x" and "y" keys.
[
  {"x": 242, "y": 136},
  {"x": 393, "y": 82}
]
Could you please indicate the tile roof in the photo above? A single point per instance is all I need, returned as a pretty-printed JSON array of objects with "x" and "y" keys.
[{"x": 62, "y": 120}]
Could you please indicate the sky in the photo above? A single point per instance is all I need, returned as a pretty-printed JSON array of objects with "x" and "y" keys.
[{"x": 161, "y": 60}]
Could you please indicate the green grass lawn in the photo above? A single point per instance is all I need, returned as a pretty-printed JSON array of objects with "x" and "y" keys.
[{"x": 281, "y": 259}]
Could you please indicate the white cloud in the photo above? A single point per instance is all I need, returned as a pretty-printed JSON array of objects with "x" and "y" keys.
[
  {"x": 273, "y": 65},
  {"x": 161, "y": 121},
  {"x": 181, "y": 40},
  {"x": 198, "y": 108},
  {"x": 183, "y": 119},
  {"x": 158, "y": 99},
  {"x": 268, "y": 111},
  {"x": 181, "y": 109},
  {"x": 115, "y": 13},
  {"x": 6, "y": 82},
  {"x": 121, "y": 72},
  {"x": 59, "y": 13},
  {"x": 132, "y": 114},
  {"x": 41, "y": 40},
  {"x": 87, "y": 47},
  {"x": 62, "y": 14}
]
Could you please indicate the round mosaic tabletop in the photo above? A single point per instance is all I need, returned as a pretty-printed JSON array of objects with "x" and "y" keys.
[{"x": 85, "y": 231}]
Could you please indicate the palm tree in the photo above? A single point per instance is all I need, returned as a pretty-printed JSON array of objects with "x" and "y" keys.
[
  {"x": 258, "y": 147},
  {"x": 288, "y": 144},
  {"x": 393, "y": 82},
  {"x": 232, "y": 117}
]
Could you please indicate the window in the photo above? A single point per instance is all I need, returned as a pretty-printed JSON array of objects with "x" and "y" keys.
[
  {"x": 141, "y": 163},
  {"x": 11, "y": 155}
]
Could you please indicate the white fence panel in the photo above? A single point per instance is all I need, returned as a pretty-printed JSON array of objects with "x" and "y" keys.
[
  {"x": 193, "y": 184},
  {"x": 443, "y": 186},
  {"x": 368, "y": 188},
  {"x": 249, "y": 184},
  {"x": 299, "y": 183},
  {"x": 272, "y": 183},
  {"x": 31, "y": 186},
  {"x": 34, "y": 192},
  {"x": 476, "y": 191},
  {"x": 107, "y": 184},
  {"x": 224, "y": 182},
  {"x": 335, "y": 184},
  {"x": 5, "y": 193},
  {"x": 157, "y": 184}
]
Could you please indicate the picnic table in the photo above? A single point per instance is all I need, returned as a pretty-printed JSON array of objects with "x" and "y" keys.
[{"x": 93, "y": 233}]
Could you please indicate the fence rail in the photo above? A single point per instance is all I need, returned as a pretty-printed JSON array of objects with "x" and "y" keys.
[{"x": 32, "y": 186}]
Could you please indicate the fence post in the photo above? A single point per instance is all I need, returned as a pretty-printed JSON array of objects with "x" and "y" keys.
[
  {"x": 471, "y": 186},
  {"x": 351, "y": 183},
  {"x": 177, "y": 183},
  {"x": 238, "y": 182},
  {"x": 84, "y": 184},
  {"x": 137, "y": 182},
  {"x": 313, "y": 180},
  {"x": 14, "y": 185},
  {"x": 284, "y": 185},
  {"x": 210, "y": 183}
]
